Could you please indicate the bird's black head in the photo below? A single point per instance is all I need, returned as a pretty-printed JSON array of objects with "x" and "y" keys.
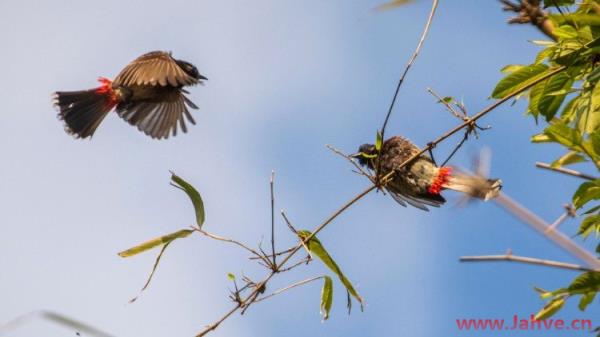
[
  {"x": 366, "y": 152},
  {"x": 190, "y": 69}
]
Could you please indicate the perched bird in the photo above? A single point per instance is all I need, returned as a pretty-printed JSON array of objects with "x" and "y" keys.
[
  {"x": 148, "y": 94},
  {"x": 420, "y": 182}
]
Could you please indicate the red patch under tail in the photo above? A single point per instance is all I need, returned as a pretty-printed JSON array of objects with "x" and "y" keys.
[
  {"x": 106, "y": 89},
  {"x": 440, "y": 180}
]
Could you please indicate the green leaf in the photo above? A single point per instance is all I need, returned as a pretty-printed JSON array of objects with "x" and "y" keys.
[
  {"x": 569, "y": 158},
  {"x": 586, "y": 192},
  {"x": 550, "y": 3},
  {"x": 534, "y": 98},
  {"x": 562, "y": 134},
  {"x": 163, "y": 240},
  {"x": 231, "y": 277},
  {"x": 593, "y": 76},
  {"x": 592, "y": 210},
  {"x": 585, "y": 283},
  {"x": 588, "y": 111},
  {"x": 592, "y": 145},
  {"x": 565, "y": 32},
  {"x": 581, "y": 19},
  {"x": 315, "y": 247},
  {"x": 194, "y": 197},
  {"x": 519, "y": 79},
  {"x": 550, "y": 309},
  {"x": 511, "y": 68},
  {"x": 548, "y": 103},
  {"x": 589, "y": 225},
  {"x": 569, "y": 111},
  {"x": 540, "y": 138},
  {"x": 378, "y": 141},
  {"x": 586, "y": 299},
  {"x": 546, "y": 53},
  {"x": 326, "y": 297}
]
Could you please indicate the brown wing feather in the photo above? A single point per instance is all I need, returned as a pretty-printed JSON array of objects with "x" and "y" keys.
[
  {"x": 158, "y": 119},
  {"x": 157, "y": 67}
]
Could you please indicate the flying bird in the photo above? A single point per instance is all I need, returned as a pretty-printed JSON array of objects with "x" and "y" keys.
[
  {"x": 420, "y": 182},
  {"x": 148, "y": 93}
]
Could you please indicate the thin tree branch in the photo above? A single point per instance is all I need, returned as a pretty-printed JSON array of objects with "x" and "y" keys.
[
  {"x": 565, "y": 171},
  {"x": 406, "y": 69},
  {"x": 305, "y": 260},
  {"x": 523, "y": 259},
  {"x": 220, "y": 238},
  {"x": 351, "y": 160},
  {"x": 569, "y": 212},
  {"x": 291, "y": 286},
  {"x": 272, "y": 181},
  {"x": 541, "y": 226}
]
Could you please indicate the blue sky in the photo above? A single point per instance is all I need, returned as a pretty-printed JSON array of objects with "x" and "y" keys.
[{"x": 285, "y": 78}]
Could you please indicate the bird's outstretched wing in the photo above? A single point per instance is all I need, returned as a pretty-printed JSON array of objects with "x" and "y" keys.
[
  {"x": 158, "y": 119},
  {"x": 157, "y": 67}
]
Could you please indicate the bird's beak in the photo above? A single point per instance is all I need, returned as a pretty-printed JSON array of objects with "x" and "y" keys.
[{"x": 202, "y": 77}]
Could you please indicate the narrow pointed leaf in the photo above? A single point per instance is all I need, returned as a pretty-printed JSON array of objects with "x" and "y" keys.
[
  {"x": 550, "y": 309},
  {"x": 326, "y": 297},
  {"x": 316, "y": 248},
  {"x": 163, "y": 240},
  {"x": 569, "y": 158},
  {"x": 194, "y": 197},
  {"x": 378, "y": 141}
]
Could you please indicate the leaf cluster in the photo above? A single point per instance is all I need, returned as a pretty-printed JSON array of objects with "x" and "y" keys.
[{"x": 569, "y": 101}]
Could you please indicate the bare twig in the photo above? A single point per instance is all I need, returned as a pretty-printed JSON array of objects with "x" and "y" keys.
[
  {"x": 523, "y": 259},
  {"x": 449, "y": 107},
  {"x": 220, "y": 238},
  {"x": 291, "y": 286},
  {"x": 305, "y": 260},
  {"x": 569, "y": 212},
  {"x": 274, "y": 256},
  {"x": 565, "y": 171},
  {"x": 277, "y": 253},
  {"x": 406, "y": 69},
  {"x": 541, "y": 226},
  {"x": 156, "y": 262},
  {"x": 351, "y": 160}
]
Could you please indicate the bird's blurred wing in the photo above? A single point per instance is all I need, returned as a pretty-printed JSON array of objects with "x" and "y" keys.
[
  {"x": 420, "y": 203},
  {"x": 158, "y": 119},
  {"x": 157, "y": 67},
  {"x": 403, "y": 200}
]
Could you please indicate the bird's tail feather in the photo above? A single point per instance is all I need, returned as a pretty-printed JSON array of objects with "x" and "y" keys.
[
  {"x": 474, "y": 186},
  {"x": 82, "y": 111}
]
